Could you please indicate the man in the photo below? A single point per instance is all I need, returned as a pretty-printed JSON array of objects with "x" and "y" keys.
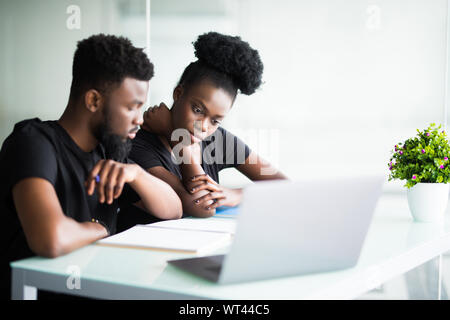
[{"x": 63, "y": 181}]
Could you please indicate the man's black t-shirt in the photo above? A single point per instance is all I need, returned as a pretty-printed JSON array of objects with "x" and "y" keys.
[
  {"x": 45, "y": 150},
  {"x": 221, "y": 150}
]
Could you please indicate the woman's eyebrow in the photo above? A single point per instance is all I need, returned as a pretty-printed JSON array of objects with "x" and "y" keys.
[
  {"x": 206, "y": 109},
  {"x": 201, "y": 103}
]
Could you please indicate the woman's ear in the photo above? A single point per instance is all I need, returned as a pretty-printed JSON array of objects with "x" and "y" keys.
[
  {"x": 93, "y": 100},
  {"x": 177, "y": 93}
]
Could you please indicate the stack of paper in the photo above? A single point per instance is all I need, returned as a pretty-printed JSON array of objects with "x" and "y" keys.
[
  {"x": 188, "y": 235},
  {"x": 199, "y": 224}
]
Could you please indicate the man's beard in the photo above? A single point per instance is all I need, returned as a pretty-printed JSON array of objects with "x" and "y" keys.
[{"x": 115, "y": 147}]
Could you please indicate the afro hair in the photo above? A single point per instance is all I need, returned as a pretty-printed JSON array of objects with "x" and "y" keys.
[
  {"x": 231, "y": 56},
  {"x": 226, "y": 60}
]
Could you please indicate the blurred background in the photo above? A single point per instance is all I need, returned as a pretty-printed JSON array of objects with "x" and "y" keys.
[{"x": 344, "y": 80}]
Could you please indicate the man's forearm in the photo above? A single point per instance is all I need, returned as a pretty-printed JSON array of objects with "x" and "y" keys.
[
  {"x": 157, "y": 197},
  {"x": 69, "y": 235},
  {"x": 49, "y": 232}
]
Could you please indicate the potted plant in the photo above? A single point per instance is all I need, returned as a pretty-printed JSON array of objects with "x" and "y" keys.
[{"x": 423, "y": 162}]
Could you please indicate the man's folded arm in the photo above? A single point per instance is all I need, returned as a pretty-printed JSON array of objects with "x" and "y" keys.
[
  {"x": 48, "y": 231},
  {"x": 157, "y": 196}
]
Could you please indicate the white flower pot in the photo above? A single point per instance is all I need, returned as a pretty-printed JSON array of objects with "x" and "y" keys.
[{"x": 428, "y": 201}]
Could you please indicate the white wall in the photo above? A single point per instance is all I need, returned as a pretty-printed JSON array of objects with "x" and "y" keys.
[
  {"x": 344, "y": 80},
  {"x": 37, "y": 51}
]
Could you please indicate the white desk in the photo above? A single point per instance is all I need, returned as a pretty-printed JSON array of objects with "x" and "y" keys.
[{"x": 394, "y": 245}]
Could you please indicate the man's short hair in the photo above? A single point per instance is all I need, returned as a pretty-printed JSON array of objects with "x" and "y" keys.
[{"x": 102, "y": 62}]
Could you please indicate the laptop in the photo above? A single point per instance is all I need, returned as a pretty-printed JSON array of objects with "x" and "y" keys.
[{"x": 292, "y": 228}]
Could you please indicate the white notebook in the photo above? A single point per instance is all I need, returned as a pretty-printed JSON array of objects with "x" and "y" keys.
[
  {"x": 200, "y": 224},
  {"x": 145, "y": 237}
]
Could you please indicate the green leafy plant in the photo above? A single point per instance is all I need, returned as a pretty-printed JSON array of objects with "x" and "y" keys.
[{"x": 424, "y": 158}]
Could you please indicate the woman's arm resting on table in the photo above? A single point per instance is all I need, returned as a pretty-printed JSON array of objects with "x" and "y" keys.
[
  {"x": 256, "y": 169},
  {"x": 187, "y": 199}
]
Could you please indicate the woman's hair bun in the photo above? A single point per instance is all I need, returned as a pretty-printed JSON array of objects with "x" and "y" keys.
[{"x": 233, "y": 57}]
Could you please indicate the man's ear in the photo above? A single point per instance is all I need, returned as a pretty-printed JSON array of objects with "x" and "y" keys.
[
  {"x": 93, "y": 100},
  {"x": 177, "y": 93}
]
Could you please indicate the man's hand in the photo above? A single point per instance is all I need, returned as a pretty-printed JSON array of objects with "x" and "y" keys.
[
  {"x": 158, "y": 120},
  {"x": 109, "y": 177},
  {"x": 217, "y": 196}
]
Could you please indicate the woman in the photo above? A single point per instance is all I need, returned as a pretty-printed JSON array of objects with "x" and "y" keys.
[{"x": 202, "y": 98}]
